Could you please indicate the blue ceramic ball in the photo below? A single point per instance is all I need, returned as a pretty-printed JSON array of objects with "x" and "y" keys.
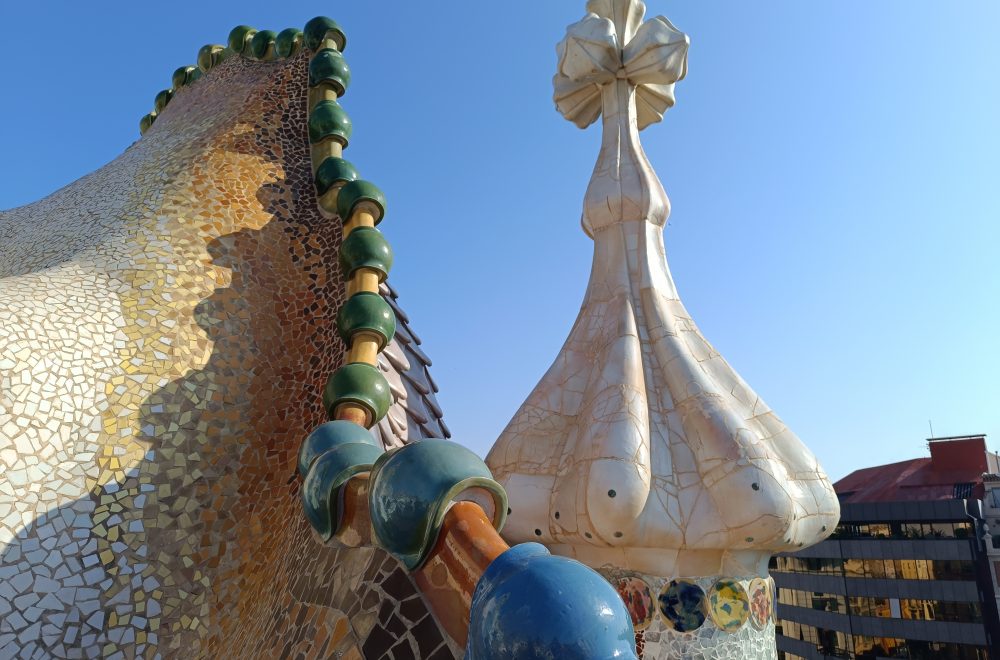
[{"x": 532, "y": 605}]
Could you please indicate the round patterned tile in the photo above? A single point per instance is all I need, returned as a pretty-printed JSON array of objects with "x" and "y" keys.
[
  {"x": 760, "y": 603},
  {"x": 683, "y": 605},
  {"x": 728, "y": 605},
  {"x": 638, "y": 599}
]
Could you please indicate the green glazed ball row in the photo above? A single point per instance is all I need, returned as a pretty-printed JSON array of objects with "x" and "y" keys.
[
  {"x": 261, "y": 45},
  {"x": 339, "y": 450},
  {"x": 366, "y": 312},
  {"x": 428, "y": 475}
]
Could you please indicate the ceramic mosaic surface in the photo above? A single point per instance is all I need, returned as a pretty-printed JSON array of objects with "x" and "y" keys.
[
  {"x": 685, "y": 627},
  {"x": 165, "y": 326},
  {"x": 639, "y": 600},
  {"x": 641, "y": 449},
  {"x": 728, "y": 605},
  {"x": 760, "y": 603},
  {"x": 682, "y": 605}
]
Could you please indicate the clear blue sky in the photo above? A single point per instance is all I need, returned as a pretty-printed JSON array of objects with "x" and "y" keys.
[{"x": 834, "y": 169}]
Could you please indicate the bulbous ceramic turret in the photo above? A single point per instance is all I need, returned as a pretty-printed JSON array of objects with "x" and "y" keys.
[{"x": 642, "y": 452}]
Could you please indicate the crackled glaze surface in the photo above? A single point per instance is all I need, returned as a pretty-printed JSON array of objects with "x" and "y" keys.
[
  {"x": 641, "y": 447},
  {"x": 165, "y": 326},
  {"x": 684, "y": 625}
]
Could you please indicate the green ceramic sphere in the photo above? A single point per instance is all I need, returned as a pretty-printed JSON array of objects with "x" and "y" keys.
[
  {"x": 412, "y": 488},
  {"x": 365, "y": 247},
  {"x": 321, "y": 28},
  {"x": 212, "y": 55},
  {"x": 288, "y": 42},
  {"x": 360, "y": 384},
  {"x": 162, "y": 99},
  {"x": 329, "y": 436},
  {"x": 359, "y": 191},
  {"x": 184, "y": 76},
  {"x": 328, "y": 474},
  {"x": 146, "y": 122},
  {"x": 367, "y": 312},
  {"x": 329, "y": 120},
  {"x": 239, "y": 38},
  {"x": 334, "y": 172},
  {"x": 329, "y": 67},
  {"x": 262, "y": 45}
]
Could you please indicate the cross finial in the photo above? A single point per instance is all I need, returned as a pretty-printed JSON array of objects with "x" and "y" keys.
[
  {"x": 613, "y": 64},
  {"x": 612, "y": 43}
]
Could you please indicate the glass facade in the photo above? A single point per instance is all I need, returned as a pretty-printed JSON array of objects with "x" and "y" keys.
[
  {"x": 916, "y": 530},
  {"x": 895, "y": 608},
  {"x": 843, "y": 645},
  {"x": 898, "y": 616},
  {"x": 896, "y": 569}
]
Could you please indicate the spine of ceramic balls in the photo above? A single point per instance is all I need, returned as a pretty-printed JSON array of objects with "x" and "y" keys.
[
  {"x": 261, "y": 45},
  {"x": 357, "y": 392}
]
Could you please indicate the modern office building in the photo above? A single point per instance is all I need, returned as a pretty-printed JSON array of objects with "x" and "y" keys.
[
  {"x": 991, "y": 509},
  {"x": 910, "y": 571}
]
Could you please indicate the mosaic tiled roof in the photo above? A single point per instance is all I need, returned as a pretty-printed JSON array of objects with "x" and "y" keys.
[
  {"x": 415, "y": 413},
  {"x": 955, "y": 470},
  {"x": 173, "y": 328},
  {"x": 166, "y": 325}
]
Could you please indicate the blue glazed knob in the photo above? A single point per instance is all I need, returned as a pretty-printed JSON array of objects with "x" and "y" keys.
[
  {"x": 411, "y": 489},
  {"x": 531, "y": 605},
  {"x": 330, "y": 435},
  {"x": 327, "y": 475}
]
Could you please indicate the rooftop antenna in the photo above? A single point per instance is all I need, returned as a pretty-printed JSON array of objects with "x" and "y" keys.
[{"x": 932, "y": 427}]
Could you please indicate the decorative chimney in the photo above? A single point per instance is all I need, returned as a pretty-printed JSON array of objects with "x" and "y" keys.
[{"x": 641, "y": 452}]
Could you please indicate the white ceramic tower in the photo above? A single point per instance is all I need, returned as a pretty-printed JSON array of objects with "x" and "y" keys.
[{"x": 641, "y": 452}]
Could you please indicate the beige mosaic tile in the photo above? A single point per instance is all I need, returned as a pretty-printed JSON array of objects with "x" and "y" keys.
[{"x": 166, "y": 326}]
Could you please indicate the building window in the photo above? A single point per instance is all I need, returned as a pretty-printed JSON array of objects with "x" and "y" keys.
[
  {"x": 914, "y": 530},
  {"x": 813, "y": 600},
  {"x": 896, "y": 569},
  {"x": 884, "y": 608},
  {"x": 842, "y": 645},
  {"x": 963, "y": 491}
]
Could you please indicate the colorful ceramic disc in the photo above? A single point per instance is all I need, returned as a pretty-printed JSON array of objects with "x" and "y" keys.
[
  {"x": 760, "y": 603},
  {"x": 728, "y": 605},
  {"x": 682, "y": 605},
  {"x": 638, "y": 599}
]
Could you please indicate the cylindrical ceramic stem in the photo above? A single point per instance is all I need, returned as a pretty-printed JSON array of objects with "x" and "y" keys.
[{"x": 467, "y": 545}]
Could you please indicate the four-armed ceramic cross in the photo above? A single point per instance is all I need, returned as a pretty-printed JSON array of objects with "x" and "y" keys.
[{"x": 642, "y": 452}]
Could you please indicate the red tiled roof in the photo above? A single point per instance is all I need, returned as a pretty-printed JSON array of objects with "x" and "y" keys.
[{"x": 952, "y": 462}]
